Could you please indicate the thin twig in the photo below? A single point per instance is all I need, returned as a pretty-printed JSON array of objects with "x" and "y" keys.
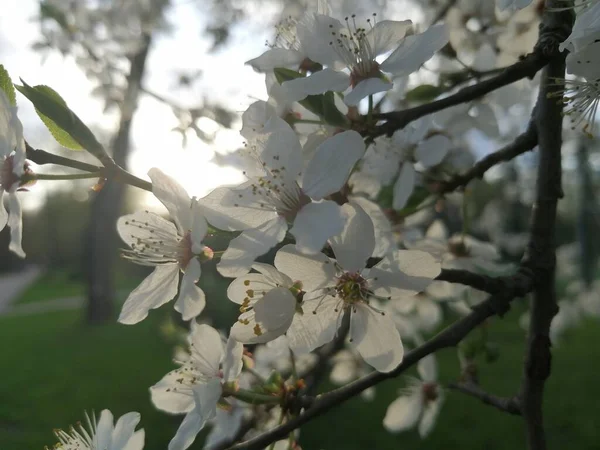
[
  {"x": 525, "y": 68},
  {"x": 508, "y": 405},
  {"x": 481, "y": 282},
  {"x": 522, "y": 143}
]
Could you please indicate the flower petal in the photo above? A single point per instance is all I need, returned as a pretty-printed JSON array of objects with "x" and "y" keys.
[
  {"x": 315, "y": 223},
  {"x": 316, "y": 326},
  {"x": 313, "y": 271},
  {"x": 168, "y": 399},
  {"x": 15, "y": 222},
  {"x": 318, "y": 83},
  {"x": 384, "y": 238},
  {"x": 274, "y": 276},
  {"x": 314, "y": 33},
  {"x": 403, "y": 413},
  {"x": 104, "y": 430},
  {"x": 365, "y": 88},
  {"x": 256, "y": 118},
  {"x": 206, "y": 348},
  {"x": 206, "y": 396},
  {"x": 271, "y": 317},
  {"x": 222, "y": 213},
  {"x": 191, "y": 300},
  {"x": 173, "y": 196},
  {"x": 332, "y": 163},
  {"x": 403, "y": 272},
  {"x": 387, "y": 34},
  {"x": 244, "y": 249},
  {"x": 140, "y": 225},
  {"x": 137, "y": 441},
  {"x": 276, "y": 57},
  {"x": 376, "y": 338},
  {"x": 124, "y": 430},
  {"x": 232, "y": 361},
  {"x": 415, "y": 50},
  {"x": 430, "y": 414},
  {"x": 404, "y": 185},
  {"x": 355, "y": 244},
  {"x": 237, "y": 291},
  {"x": 157, "y": 289},
  {"x": 427, "y": 368},
  {"x": 3, "y": 212},
  {"x": 432, "y": 151}
]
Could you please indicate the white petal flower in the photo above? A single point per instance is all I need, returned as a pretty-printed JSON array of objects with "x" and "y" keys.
[
  {"x": 279, "y": 193},
  {"x": 356, "y": 49},
  {"x": 346, "y": 286},
  {"x": 195, "y": 388},
  {"x": 419, "y": 404},
  {"x": 267, "y": 303},
  {"x": 154, "y": 241},
  {"x": 585, "y": 29},
  {"x": 12, "y": 167},
  {"x": 103, "y": 434}
]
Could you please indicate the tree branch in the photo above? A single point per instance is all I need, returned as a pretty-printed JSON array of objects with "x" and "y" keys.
[
  {"x": 523, "y": 143},
  {"x": 480, "y": 282},
  {"x": 540, "y": 256},
  {"x": 508, "y": 405},
  {"x": 525, "y": 68}
]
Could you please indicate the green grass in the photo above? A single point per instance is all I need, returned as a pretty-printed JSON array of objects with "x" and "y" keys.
[
  {"x": 53, "y": 368},
  {"x": 57, "y": 284},
  {"x": 52, "y": 285}
]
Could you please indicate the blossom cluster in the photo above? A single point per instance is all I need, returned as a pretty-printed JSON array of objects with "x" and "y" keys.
[{"x": 342, "y": 273}]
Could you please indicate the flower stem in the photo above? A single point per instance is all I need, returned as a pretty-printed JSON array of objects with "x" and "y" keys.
[
  {"x": 67, "y": 176},
  {"x": 370, "y": 113},
  {"x": 255, "y": 398}
]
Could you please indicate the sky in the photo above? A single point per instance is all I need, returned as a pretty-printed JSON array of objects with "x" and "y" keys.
[{"x": 225, "y": 77}]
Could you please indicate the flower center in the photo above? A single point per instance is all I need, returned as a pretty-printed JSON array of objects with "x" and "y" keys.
[
  {"x": 352, "y": 288},
  {"x": 353, "y": 47},
  {"x": 458, "y": 248},
  {"x": 156, "y": 245},
  {"x": 430, "y": 392}
]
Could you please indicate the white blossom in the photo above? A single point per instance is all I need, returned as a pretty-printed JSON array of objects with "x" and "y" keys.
[
  {"x": 170, "y": 247},
  {"x": 349, "y": 287},
  {"x": 355, "y": 48},
  {"x": 196, "y": 386},
  {"x": 12, "y": 167},
  {"x": 280, "y": 192},
  {"x": 267, "y": 302},
  {"x": 419, "y": 404},
  {"x": 103, "y": 434}
]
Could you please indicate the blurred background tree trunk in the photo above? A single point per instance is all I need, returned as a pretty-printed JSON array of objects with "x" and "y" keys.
[{"x": 101, "y": 238}]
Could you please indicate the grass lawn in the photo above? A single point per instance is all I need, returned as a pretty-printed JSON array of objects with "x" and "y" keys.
[
  {"x": 53, "y": 368},
  {"x": 57, "y": 284}
]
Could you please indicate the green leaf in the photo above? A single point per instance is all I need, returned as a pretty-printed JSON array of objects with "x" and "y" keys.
[
  {"x": 419, "y": 195},
  {"x": 65, "y": 126},
  {"x": 61, "y": 136},
  {"x": 7, "y": 86},
  {"x": 323, "y": 105},
  {"x": 424, "y": 93}
]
